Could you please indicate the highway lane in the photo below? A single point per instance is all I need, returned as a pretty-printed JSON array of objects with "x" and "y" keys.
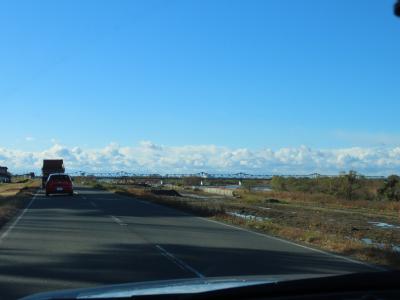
[{"x": 97, "y": 238}]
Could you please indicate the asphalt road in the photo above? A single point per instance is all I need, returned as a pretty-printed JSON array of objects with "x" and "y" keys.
[{"x": 97, "y": 238}]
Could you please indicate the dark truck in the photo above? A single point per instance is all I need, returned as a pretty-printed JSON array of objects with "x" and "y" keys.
[{"x": 51, "y": 166}]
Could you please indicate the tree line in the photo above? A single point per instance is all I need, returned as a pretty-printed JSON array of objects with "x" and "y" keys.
[{"x": 350, "y": 186}]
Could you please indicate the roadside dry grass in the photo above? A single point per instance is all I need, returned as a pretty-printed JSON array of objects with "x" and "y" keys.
[
  {"x": 204, "y": 209},
  {"x": 327, "y": 224},
  {"x": 11, "y": 189},
  {"x": 335, "y": 243},
  {"x": 14, "y": 196},
  {"x": 324, "y": 201}
]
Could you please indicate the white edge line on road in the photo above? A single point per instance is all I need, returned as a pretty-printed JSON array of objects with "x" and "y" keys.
[
  {"x": 298, "y": 245},
  {"x": 5, "y": 233},
  {"x": 268, "y": 236},
  {"x": 179, "y": 262}
]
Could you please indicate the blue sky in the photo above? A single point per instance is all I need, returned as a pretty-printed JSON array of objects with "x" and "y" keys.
[{"x": 238, "y": 74}]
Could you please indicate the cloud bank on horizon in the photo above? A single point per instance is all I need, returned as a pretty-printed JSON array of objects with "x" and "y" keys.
[{"x": 148, "y": 157}]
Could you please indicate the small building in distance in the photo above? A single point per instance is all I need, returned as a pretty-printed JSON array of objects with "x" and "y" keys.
[{"x": 5, "y": 176}]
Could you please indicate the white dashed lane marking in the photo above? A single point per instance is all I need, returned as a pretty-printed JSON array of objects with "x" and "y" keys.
[{"x": 118, "y": 221}]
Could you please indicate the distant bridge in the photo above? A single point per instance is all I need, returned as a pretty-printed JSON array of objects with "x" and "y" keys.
[{"x": 240, "y": 175}]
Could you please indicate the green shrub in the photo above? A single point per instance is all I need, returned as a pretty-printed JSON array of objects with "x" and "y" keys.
[
  {"x": 390, "y": 189},
  {"x": 349, "y": 185}
]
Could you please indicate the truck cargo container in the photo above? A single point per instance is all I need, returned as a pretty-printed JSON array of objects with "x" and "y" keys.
[{"x": 51, "y": 166}]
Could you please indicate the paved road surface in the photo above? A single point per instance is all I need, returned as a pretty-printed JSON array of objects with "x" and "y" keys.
[{"x": 97, "y": 238}]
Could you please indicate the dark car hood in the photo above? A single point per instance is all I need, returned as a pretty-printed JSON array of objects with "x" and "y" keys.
[
  {"x": 165, "y": 287},
  {"x": 186, "y": 286}
]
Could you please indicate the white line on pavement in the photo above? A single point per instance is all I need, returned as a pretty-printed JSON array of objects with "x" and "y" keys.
[
  {"x": 5, "y": 233},
  {"x": 298, "y": 245},
  {"x": 118, "y": 221},
  {"x": 179, "y": 262}
]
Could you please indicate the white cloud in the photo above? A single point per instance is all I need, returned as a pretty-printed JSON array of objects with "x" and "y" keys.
[
  {"x": 29, "y": 138},
  {"x": 149, "y": 157}
]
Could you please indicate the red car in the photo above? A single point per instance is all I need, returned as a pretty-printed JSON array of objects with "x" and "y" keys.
[{"x": 59, "y": 184}]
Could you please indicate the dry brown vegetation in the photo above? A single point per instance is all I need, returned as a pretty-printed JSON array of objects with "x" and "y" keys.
[
  {"x": 320, "y": 200},
  {"x": 14, "y": 196}
]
